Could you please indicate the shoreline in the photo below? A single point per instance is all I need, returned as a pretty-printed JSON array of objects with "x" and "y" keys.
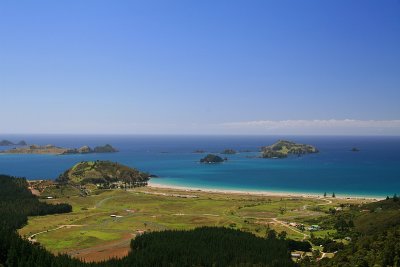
[{"x": 257, "y": 192}]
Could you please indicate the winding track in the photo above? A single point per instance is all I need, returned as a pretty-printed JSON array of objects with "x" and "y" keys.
[
  {"x": 31, "y": 237},
  {"x": 305, "y": 236}
]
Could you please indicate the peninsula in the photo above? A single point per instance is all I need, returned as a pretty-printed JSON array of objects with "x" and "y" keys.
[
  {"x": 283, "y": 148},
  {"x": 104, "y": 174},
  {"x": 52, "y": 149}
]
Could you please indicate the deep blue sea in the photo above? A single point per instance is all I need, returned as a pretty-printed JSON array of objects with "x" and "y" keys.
[{"x": 374, "y": 171}]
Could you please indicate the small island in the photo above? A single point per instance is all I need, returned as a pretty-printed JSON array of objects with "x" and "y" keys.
[
  {"x": 211, "y": 158},
  {"x": 9, "y": 143},
  {"x": 52, "y": 149},
  {"x": 229, "y": 152},
  {"x": 283, "y": 148},
  {"x": 355, "y": 149},
  {"x": 86, "y": 149},
  {"x": 104, "y": 174},
  {"x": 199, "y": 151}
]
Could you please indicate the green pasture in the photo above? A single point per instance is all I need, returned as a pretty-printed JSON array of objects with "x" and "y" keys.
[{"x": 152, "y": 209}]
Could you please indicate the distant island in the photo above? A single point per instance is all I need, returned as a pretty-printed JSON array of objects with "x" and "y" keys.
[
  {"x": 229, "y": 152},
  {"x": 246, "y": 150},
  {"x": 211, "y": 158},
  {"x": 86, "y": 149},
  {"x": 9, "y": 143},
  {"x": 283, "y": 148},
  {"x": 355, "y": 149},
  {"x": 199, "y": 151},
  {"x": 52, "y": 149},
  {"x": 104, "y": 173}
]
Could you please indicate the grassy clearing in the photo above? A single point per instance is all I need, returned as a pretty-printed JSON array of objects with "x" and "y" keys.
[{"x": 153, "y": 209}]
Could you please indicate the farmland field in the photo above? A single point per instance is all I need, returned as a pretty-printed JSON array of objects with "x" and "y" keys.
[{"x": 91, "y": 233}]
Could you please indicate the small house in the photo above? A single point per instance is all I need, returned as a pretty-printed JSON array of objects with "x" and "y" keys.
[{"x": 314, "y": 227}]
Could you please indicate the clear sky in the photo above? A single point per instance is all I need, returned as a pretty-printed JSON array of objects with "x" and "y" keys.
[{"x": 208, "y": 67}]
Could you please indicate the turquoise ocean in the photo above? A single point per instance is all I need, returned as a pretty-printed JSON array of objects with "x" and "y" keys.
[{"x": 373, "y": 171}]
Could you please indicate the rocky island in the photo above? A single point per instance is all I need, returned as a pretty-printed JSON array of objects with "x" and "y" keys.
[
  {"x": 229, "y": 151},
  {"x": 211, "y": 158},
  {"x": 9, "y": 143},
  {"x": 283, "y": 148},
  {"x": 52, "y": 149},
  {"x": 104, "y": 173}
]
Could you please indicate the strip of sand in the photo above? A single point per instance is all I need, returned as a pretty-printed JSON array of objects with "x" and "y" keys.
[{"x": 254, "y": 192}]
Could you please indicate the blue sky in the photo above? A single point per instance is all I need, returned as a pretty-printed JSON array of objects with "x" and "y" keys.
[{"x": 246, "y": 67}]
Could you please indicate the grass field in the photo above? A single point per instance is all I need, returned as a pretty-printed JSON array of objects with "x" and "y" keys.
[{"x": 89, "y": 232}]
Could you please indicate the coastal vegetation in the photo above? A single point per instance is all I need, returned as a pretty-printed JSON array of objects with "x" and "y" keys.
[
  {"x": 241, "y": 229},
  {"x": 101, "y": 222},
  {"x": 373, "y": 234},
  {"x": 283, "y": 148},
  {"x": 211, "y": 158}
]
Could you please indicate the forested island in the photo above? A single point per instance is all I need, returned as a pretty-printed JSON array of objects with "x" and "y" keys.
[
  {"x": 211, "y": 158},
  {"x": 284, "y": 148},
  {"x": 52, "y": 149}
]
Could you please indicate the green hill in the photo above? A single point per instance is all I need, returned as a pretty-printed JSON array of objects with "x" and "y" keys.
[{"x": 103, "y": 172}]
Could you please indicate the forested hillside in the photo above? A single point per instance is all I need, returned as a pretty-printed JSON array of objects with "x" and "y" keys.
[{"x": 375, "y": 237}]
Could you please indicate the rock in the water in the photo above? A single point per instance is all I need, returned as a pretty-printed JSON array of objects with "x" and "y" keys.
[
  {"x": 229, "y": 151},
  {"x": 210, "y": 158}
]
